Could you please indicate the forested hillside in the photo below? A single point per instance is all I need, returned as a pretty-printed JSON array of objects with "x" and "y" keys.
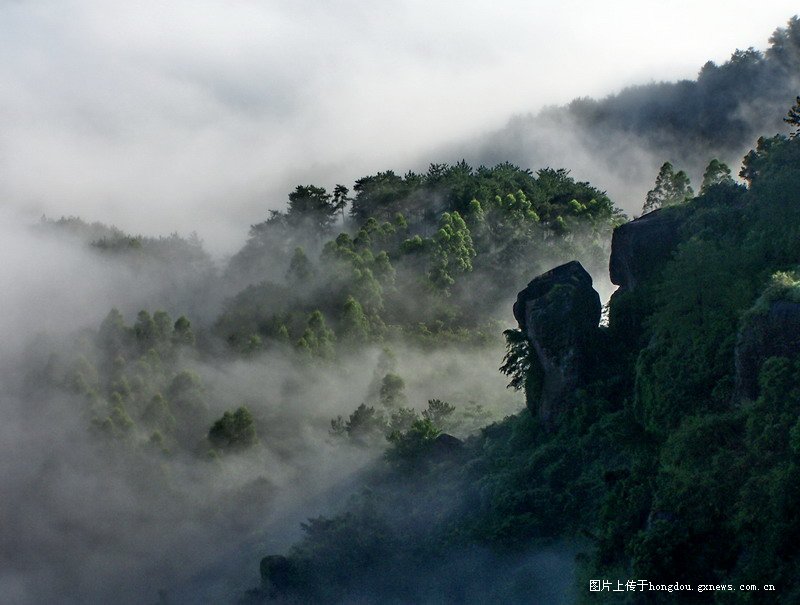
[
  {"x": 621, "y": 140},
  {"x": 430, "y": 262},
  {"x": 673, "y": 458},
  {"x": 247, "y": 394},
  {"x": 419, "y": 388}
]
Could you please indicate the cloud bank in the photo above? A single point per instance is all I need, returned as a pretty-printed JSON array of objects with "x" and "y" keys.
[{"x": 202, "y": 115}]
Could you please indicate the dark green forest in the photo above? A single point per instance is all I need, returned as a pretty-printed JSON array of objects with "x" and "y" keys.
[
  {"x": 357, "y": 346},
  {"x": 674, "y": 458}
]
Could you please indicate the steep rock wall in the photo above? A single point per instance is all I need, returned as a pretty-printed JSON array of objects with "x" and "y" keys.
[{"x": 559, "y": 312}]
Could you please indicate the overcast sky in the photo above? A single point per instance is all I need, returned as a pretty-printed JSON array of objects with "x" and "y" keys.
[{"x": 200, "y": 115}]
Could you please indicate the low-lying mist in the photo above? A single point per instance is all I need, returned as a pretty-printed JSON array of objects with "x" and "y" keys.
[
  {"x": 90, "y": 519},
  {"x": 169, "y": 416}
]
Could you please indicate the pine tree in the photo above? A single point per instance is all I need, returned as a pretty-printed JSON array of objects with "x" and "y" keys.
[
  {"x": 717, "y": 173},
  {"x": 355, "y": 325},
  {"x": 670, "y": 188}
]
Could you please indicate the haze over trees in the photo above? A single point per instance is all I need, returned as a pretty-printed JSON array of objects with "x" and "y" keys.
[
  {"x": 621, "y": 140},
  {"x": 674, "y": 458},
  {"x": 348, "y": 364},
  {"x": 671, "y": 188}
]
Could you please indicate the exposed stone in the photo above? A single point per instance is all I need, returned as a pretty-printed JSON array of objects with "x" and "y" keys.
[
  {"x": 775, "y": 333},
  {"x": 639, "y": 247},
  {"x": 559, "y": 313}
]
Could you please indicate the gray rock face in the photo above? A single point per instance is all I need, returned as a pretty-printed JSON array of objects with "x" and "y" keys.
[
  {"x": 642, "y": 245},
  {"x": 559, "y": 313},
  {"x": 775, "y": 333}
]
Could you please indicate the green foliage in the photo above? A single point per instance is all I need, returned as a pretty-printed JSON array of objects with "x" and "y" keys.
[
  {"x": 340, "y": 198},
  {"x": 133, "y": 385},
  {"x": 300, "y": 268},
  {"x": 716, "y": 173},
  {"x": 158, "y": 415},
  {"x": 235, "y": 431},
  {"x": 381, "y": 194},
  {"x": 402, "y": 420},
  {"x": 653, "y": 460},
  {"x": 365, "y": 425},
  {"x": 693, "y": 334},
  {"x": 392, "y": 391},
  {"x": 452, "y": 251},
  {"x": 314, "y": 207},
  {"x": 412, "y": 445},
  {"x": 321, "y": 566},
  {"x": 413, "y": 245},
  {"x": 438, "y": 412},
  {"x": 145, "y": 329},
  {"x": 354, "y": 325},
  {"x": 182, "y": 332},
  {"x": 517, "y": 361},
  {"x": 416, "y": 250},
  {"x": 762, "y": 158},
  {"x": 265, "y": 310},
  {"x": 782, "y": 285},
  {"x": 112, "y": 335},
  {"x": 317, "y": 339},
  {"x": 163, "y": 326},
  {"x": 671, "y": 188}
]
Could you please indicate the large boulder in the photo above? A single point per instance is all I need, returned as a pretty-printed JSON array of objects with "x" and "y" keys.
[
  {"x": 641, "y": 246},
  {"x": 772, "y": 333},
  {"x": 559, "y": 312}
]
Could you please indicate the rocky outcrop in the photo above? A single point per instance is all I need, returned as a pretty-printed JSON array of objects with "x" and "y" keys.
[
  {"x": 774, "y": 333},
  {"x": 639, "y": 247},
  {"x": 559, "y": 313}
]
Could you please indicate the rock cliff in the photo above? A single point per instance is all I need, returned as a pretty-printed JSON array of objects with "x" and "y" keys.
[
  {"x": 639, "y": 247},
  {"x": 559, "y": 312}
]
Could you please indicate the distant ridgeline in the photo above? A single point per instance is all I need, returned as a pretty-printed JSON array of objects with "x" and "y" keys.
[
  {"x": 717, "y": 114},
  {"x": 661, "y": 446},
  {"x": 721, "y": 108}
]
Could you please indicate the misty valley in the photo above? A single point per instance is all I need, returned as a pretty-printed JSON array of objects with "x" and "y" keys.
[{"x": 481, "y": 382}]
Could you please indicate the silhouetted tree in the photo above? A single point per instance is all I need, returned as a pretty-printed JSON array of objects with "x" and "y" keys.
[
  {"x": 340, "y": 199},
  {"x": 438, "y": 412},
  {"x": 717, "y": 173},
  {"x": 313, "y": 206},
  {"x": 670, "y": 188}
]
